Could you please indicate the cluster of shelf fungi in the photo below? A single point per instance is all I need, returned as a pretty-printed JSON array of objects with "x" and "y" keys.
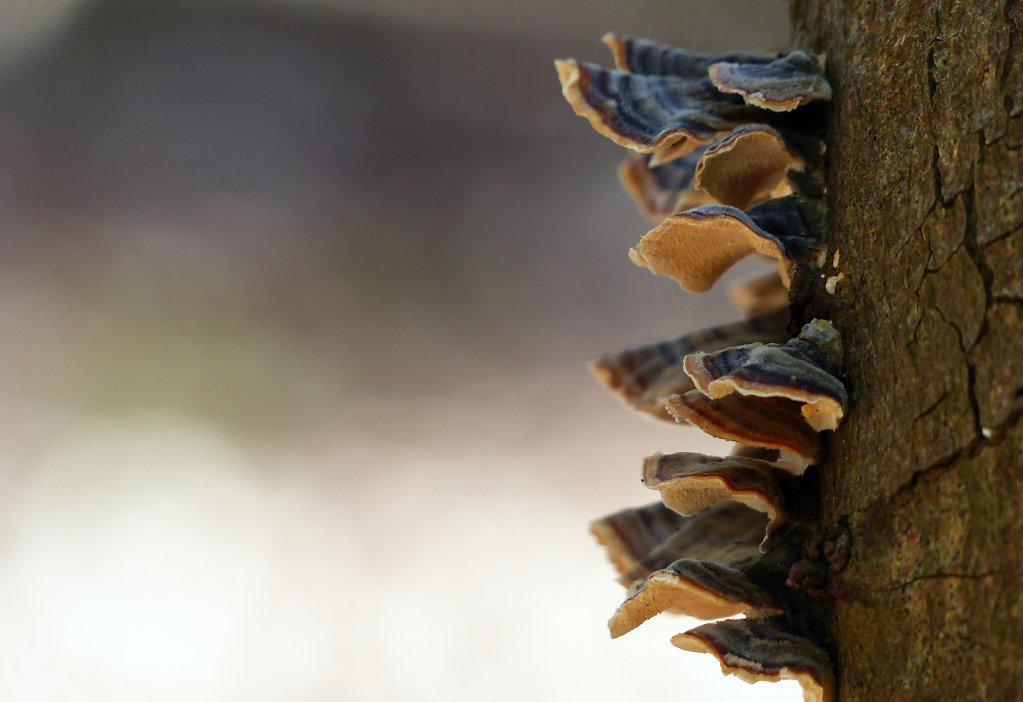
[{"x": 725, "y": 153}]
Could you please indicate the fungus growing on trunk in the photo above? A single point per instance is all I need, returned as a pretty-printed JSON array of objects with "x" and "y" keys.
[
  {"x": 769, "y": 650},
  {"x": 701, "y": 589},
  {"x": 696, "y": 246},
  {"x": 645, "y": 376},
  {"x": 691, "y": 482},
  {"x": 644, "y": 56},
  {"x": 650, "y": 113},
  {"x": 781, "y": 85},
  {"x": 644, "y": 539},
  {"x": 659, "y": 191},
  {"x": 769, "y": 422},
  {"x": 803, "y": 369},
  {"x": 746, "y": 166},
  {"x": 734, "y": 535}
]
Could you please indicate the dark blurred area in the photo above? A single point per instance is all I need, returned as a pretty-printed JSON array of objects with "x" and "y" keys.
[
  {"x": 337, "y": 265},
  {"x": 401, "y": 206}
]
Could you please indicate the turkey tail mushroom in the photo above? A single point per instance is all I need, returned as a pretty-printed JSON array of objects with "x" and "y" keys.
[
  {"x": 746, "y": 165},
  {"x": 645, "y": 376},
  {"x": 696, "y": 246},
  {"x": 691, "y": 482},
  {"x": 804, "y": 370},
  {"x": 644, "y": 56},
  {"x": 659, "y": 191},
  {"x": 769, "y": 422},
  {"x": 638, "y": 540},
  {"x": 756, "y": 650},
  {"x": 714, "y": 134},
  {"x": 780, "y": 86},
  {"x": 701, "y": 589},
  {"x": 650, "y": 113}
]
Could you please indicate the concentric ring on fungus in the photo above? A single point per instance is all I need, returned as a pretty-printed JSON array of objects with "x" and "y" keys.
[
  {"x": 634, "y": 55},
  {"x": 780, "y": 86},
  {"x": 770, "y": 422},
  {"x": 650, "y": 113},
  {"x": 659, "y": 191},
  {"x": 638, "y": 544},
  {"x": 645, "y": 376},
  {"x": 768, "y": 650}
]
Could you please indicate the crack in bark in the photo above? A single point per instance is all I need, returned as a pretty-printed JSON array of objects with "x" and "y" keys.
[
  {"x": 971, "y": 369},
  {"x": 987, "y": 277},
  {"x": 1000, "y": 237},
  {"x": 1006, "y": 66},
  {"x": 930, "y": 408},
  {"x": 986, "y": 438},
  {"x": 942, "y": 576}
]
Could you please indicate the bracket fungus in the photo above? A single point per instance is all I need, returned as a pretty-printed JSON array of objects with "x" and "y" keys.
[
  {"x": 781, "y": 85},
  {"x": 642, "y": 540},
  {"x": 635, "y": 55},
  {"x": 768, "y": 422},
  {"x": 697, "y": 246},
  {"x": 803, "y": 369},
  {"x": 691, "y": 482},
  {"x": 659, "y": 191},
  {"x": 701, "y": 589},
  {"x": 729, "y": 137},
  {"x": 650, "y": 113},
  {"x": 764, "y": 650},
  {"x": 746, "y": 166},
  {"x": 646, "y": 376}
]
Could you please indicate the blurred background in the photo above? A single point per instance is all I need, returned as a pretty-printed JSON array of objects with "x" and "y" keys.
[{"x": 295, "y": 299}]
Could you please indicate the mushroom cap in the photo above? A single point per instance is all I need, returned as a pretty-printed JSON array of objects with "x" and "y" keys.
[
  {"x": 697, "y": 246},
  {"x": 659, "y": 191},
  {"x": 771, "y": 422},
  {"x": 802, "y": 370},
  {"x": 634, "y": 55},
  {"x": 745, "y": 165},
  {"x": 645, "y": 376},
  {"x": 649, "y": 113},
  {"x": 766, "y": 649},
  {"x": 760, "y": 294},
  {"x": 690, "y": 482},
  {"x": 780, "y": 86},
  {"x": 638, "y": 541},
  {"x": 701, "y": 589}
]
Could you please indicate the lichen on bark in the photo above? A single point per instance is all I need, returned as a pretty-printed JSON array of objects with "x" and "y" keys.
[{"x": 925, "y": 204}]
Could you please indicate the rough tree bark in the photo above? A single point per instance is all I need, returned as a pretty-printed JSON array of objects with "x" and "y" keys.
[{"x": 925, "y": 197}]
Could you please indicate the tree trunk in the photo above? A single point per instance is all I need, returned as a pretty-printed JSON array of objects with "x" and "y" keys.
[{"x": 925, "y": 211}]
